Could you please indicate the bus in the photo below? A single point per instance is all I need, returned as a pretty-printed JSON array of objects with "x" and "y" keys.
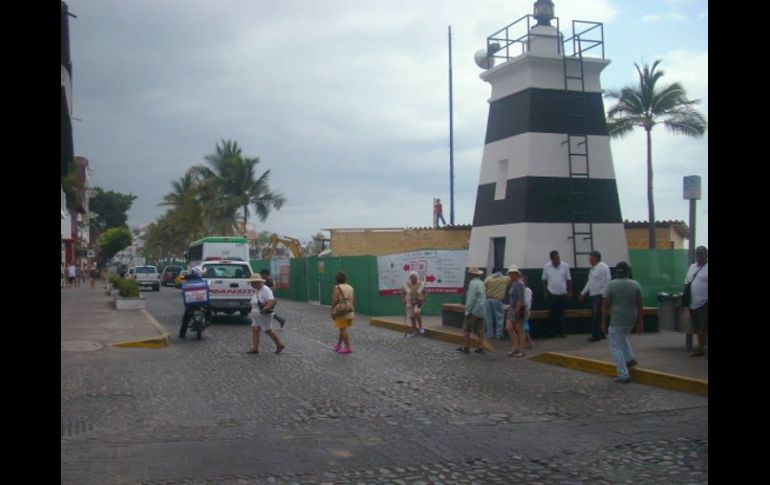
[{"x": 211, "y": 248}]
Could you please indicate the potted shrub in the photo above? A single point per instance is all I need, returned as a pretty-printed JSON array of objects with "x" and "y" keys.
[{"x": 128, "y": 296}]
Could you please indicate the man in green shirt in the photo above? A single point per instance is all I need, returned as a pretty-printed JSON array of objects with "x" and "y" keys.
[
  {"x": 474, "y": 312},
  {"x": 621, "y": 310}
]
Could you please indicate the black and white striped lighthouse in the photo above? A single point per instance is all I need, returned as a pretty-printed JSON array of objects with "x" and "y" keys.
[{"x": 547, "y": 180}]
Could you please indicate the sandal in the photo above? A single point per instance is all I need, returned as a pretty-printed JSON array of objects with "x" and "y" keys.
[
  {"x": 279, "y": 349},
  {"x": 252, "y": 351}
]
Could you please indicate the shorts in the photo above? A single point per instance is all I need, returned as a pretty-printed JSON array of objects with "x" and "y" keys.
[
  {"x": 263, "y": 320},
  {"x": 414, "y": 311},
  {"x": 343, "y": 322},
  {"x": 474, "y": 324},
  {"x": 699, "y": 318}
]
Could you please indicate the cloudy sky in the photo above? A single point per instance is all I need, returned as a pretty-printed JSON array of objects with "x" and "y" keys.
[{"x": 346, "y": 102}]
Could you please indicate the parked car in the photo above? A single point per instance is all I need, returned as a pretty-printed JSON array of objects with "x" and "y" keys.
[
  {"x": 147, "y": 276},
  {"x": 180, "y": 278},
  {"x": 170, "y": 272}
]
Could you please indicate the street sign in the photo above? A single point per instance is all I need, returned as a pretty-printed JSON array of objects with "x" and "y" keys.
[{"x": 692, "y": 187}]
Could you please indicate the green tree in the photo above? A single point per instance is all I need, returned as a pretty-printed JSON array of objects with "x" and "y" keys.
[
  {"x": 646, "y": 105},
  {"x": 112, "y": 241},
  {"x": 186, "y": 213},
  {"x": 230, "y": 183},
  {"x": 112, "y": 208}
]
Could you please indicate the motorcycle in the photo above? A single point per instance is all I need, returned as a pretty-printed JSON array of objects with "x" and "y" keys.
[{"x": 199, "y": 320}]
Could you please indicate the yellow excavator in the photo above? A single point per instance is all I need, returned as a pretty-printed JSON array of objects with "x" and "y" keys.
[{"x": 293, "y": 244}]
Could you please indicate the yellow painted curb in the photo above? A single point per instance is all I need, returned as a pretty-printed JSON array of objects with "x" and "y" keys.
[
  {"x": 429, "y": 332},
  {"x": 642, "y": 376},
  {"x": 151, "y": 343}
]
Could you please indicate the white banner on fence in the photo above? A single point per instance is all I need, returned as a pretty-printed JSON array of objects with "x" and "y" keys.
[{"x": 443, "y": 271}]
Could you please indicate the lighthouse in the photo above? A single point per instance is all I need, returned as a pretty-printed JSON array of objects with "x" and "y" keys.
[{"x": 547, "y": 180}]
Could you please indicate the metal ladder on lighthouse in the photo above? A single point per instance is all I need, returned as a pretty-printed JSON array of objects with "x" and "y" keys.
[{"x": 578, "y": 156}]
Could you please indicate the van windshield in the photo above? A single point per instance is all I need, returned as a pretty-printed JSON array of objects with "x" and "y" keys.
[{"x": 227, "y": 270}]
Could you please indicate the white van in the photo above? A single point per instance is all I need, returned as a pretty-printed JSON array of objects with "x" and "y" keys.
[{"x": 229, "y": 287}]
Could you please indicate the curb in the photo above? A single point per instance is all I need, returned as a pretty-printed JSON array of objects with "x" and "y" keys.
[
  {"x": 150, "y": 343},
  {"x": 429, "y": 332},
  {"x": 642, "y": 376}
]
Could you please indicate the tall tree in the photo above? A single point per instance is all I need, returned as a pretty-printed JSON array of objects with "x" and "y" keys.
[
  {"x": 112, "y": 208},
  {"x": 646, "y": 105},
  {"x": 230, "y": 183},
  {"x": 112, "y": 241}
]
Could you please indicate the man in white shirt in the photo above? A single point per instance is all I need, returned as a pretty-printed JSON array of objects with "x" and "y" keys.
[
  {"x": 557, "y": 283},
  {"x": 598, "y": 278},
  {"x": 698, "y": 276}
]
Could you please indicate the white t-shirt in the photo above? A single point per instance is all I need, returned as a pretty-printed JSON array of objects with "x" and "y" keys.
[
  {"x": 262, "y": 296},
  {"x": 557, "y": 278},
  {"x": 700, "y": 286},
  {"x": 598, "y": 279}
]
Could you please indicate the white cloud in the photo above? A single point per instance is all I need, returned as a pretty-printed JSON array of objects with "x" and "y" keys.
[
  {"x": 652, "y": 18},
  {"x": 657, "y": 18}
]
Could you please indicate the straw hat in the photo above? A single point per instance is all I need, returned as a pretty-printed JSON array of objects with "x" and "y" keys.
[
  {"x": 475, "y": 271},
  {"x": 513, "y": 269},
  {"x": 255, "y": 278}
]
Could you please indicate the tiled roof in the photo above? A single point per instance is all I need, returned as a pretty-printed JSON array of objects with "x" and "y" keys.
[{"x": 678, "y": 226}]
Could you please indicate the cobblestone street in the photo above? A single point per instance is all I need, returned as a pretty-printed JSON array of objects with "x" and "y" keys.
[{"x": 396, "y": 410}]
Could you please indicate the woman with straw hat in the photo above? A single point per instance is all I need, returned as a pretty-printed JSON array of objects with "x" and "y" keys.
[{"x": 262, "y": 304}]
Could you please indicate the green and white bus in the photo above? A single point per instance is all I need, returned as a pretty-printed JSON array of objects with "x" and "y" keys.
[{"x": 213, "y": 248}]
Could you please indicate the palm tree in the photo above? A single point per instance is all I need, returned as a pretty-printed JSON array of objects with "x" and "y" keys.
[
  {"x": 187, "y": 210},
  {"x": 230, "y": 184},
  {"x": 647, "y": 105}
]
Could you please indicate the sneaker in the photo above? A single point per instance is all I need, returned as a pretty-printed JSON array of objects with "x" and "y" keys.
[
  {"x": 411, "y": 335},
  {"x": 464, "y": 350},
  {"x": 520, "y": 354},
  {"x": 631, "y": 363},
  {"x": 480, "y": 350},
  {"x": 422, "y": 331},
  {"x": 337, "y": 347},
  {"x": 622, "y": 380},
  {"x": 346, "y": 350},
  {"x": 512, "y": 353}
]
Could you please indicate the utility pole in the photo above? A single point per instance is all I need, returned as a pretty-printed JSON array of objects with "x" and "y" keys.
[{"x": 451, "y": 141}]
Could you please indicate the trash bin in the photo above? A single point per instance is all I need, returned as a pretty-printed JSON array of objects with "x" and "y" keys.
[{"x": 669, "y": 305}]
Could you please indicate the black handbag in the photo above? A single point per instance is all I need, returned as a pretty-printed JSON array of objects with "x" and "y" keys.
[{"x": 687, "y": 292}]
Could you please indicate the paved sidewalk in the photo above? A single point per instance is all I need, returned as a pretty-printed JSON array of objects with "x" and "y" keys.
[
  {"x": 89, "y": 321},
  {"x": 662, "y": 357}
]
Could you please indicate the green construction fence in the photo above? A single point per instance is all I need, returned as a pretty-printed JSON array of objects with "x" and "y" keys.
[
  {"x": 313, "y": 279},
  {"x": 658, "y": 271}
]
